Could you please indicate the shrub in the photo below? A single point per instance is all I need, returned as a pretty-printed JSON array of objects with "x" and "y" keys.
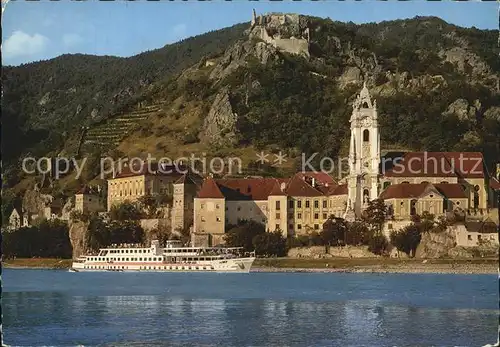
[{"x": 378, "y": 244}]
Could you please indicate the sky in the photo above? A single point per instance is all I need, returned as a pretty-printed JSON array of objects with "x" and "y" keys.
[{"x": 33, "y": 31}]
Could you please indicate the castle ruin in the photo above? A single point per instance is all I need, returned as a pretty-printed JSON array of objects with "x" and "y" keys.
[{"x": 286, "y": 32}]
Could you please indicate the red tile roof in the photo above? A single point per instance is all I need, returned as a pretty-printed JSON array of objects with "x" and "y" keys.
[
  {"x": 320, "y": 177},
  {"x": 451, "y": 191},
  {"x": 409, "y": 191},
  {"x": 299, "y": 187},
  {"x": 435, "y": 164},
  {"x": 210, "y": 189},
  {"x": 494, "y": 184},
  {"x": 277, "y": 189},
  {"x": 339, "y": 190},
  {"x": 404, "y": 191}
]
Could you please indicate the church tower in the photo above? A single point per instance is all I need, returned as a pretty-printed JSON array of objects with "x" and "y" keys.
[{"x": 364, "y": 154}]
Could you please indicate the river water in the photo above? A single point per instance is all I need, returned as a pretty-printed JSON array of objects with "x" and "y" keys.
[{"x": 59, "y": 308}]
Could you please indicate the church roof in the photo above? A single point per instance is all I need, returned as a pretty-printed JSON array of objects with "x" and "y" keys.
[
  {"x": 414, "y": 191},
  {"x": 494, "y": 184}
]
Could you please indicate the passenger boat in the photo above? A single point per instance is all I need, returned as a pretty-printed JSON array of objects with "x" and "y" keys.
[{"x": 172, "y": 258}]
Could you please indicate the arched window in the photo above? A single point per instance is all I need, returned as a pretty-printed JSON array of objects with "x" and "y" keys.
[
  {"x": 476, "y": 196},
  {"x": 386, "y": 184},
  {"x": 405, "y": 182},
  {"x": 413, "y": 207},
  {"x": 366, "y": 135},
  {"x": 365, "y": 104}
]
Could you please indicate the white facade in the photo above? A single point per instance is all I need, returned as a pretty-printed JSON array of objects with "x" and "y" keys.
[{"x": 364, "y": 153}]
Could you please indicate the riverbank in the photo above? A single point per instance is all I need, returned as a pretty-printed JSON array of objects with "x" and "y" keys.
[
  {"x": 37, "y": 263},
  {"x": 379, "y": 265},
  {"x": 368, "y": 265}
]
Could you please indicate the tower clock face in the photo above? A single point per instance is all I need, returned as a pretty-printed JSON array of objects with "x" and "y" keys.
[{"x": 366, "y": 122}]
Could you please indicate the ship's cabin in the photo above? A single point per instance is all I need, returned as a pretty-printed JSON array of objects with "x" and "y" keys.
[{"x": 173, "y": 244}]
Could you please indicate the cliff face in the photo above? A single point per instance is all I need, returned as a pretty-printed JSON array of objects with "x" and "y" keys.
[{"x": 77, "y": 232}]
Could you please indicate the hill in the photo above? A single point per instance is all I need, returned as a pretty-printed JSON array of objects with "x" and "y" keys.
[{"x": 283, "y": 82}]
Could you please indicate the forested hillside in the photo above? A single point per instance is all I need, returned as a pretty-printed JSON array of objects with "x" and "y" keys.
[{"x": 436, "y": 87}]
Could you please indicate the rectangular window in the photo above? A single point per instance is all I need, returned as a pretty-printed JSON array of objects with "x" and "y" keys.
[
  {"x": 299, "y": 226},
  {"x": 277, "y": 227},
  {"x": 307, "y": 203},
  {"x": 316, "y": 204},
  {"x": 316, "y": 226},
  {"x": 324, "y": 216},
  {"x": 324, "y": 204},
  {"x": 299, "y": 204},
  {"x": 217, "y": 206},
  {"x": 202, "y": 206},
  {"x": 469, "y": 237},
  {"x": 277, "y": 205},
  {"x": 202, "y": 219},
  {"x": 218, "y": 219},
  {"x": 316, "y": 215},
  {"x": 290, "y": 204},
  {"x": 389, "y": 226},
  {"x": 278, "y": 216},
  {"x": 299, "y": 215}
]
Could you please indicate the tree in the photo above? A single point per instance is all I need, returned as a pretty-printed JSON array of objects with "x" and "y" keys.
[
  {"x": 378, "y": 244},
  {"x": 375, "y": 214},
  {"x": 407, "y": 239},
  {"x": 358, "y": 234},
  {"x": 98, "y": 234},
  {"x": 149, "y": 203},
  {"x": 270, "y": 244},
  {"x": 125, "y": 211},
  {"x": 334, "y": 231},
  {"x": 126, "y": 232},
  {"x": 242, "y": 235}
]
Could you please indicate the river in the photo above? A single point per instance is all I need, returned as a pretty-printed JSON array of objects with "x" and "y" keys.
[{"x": 59, "y": 308}]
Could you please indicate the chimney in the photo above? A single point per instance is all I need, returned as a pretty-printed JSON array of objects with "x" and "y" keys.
[{"x": 313, "y": 182}]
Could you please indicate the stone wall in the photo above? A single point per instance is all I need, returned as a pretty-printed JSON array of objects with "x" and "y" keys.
[{"x": 317, "y": 252}]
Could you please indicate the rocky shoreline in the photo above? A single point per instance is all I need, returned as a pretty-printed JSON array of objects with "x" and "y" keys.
[{"x": 403, "y": 268}]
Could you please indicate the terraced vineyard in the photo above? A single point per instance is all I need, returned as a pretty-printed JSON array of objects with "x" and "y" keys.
[{"x": 110, "y": 133}]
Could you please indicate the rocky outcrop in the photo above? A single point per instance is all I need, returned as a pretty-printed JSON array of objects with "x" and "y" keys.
[
  {"x": 493, "y": 113},
  {"x": 238, "y": 54},
  {"x": 219, "y": 127},
  {"x": 351, "y": 74},
  {"x": 463, "y": 110},
  {"x": 77, "y": 236},
  {"x": 435, "y": 245},
  {"x": 466, "y": 62}
]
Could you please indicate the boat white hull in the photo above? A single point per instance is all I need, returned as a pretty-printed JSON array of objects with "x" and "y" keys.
[{"x": 238, "y": 265}]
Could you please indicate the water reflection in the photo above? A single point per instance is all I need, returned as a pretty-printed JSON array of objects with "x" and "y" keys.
[{"x": 63, "y": 318}]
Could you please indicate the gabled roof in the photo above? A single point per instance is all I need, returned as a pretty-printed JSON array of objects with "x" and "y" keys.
[
  {"x": 407, "y": 191},
  {"x": 209, "y": 189},
  {"x": 276, "y": 189},
  {"x": 298, "y": 187},
  {"x": 433, "y": 164},
  {"x": 248, "y": 188},
  {"x": 451, "y": 190}
]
